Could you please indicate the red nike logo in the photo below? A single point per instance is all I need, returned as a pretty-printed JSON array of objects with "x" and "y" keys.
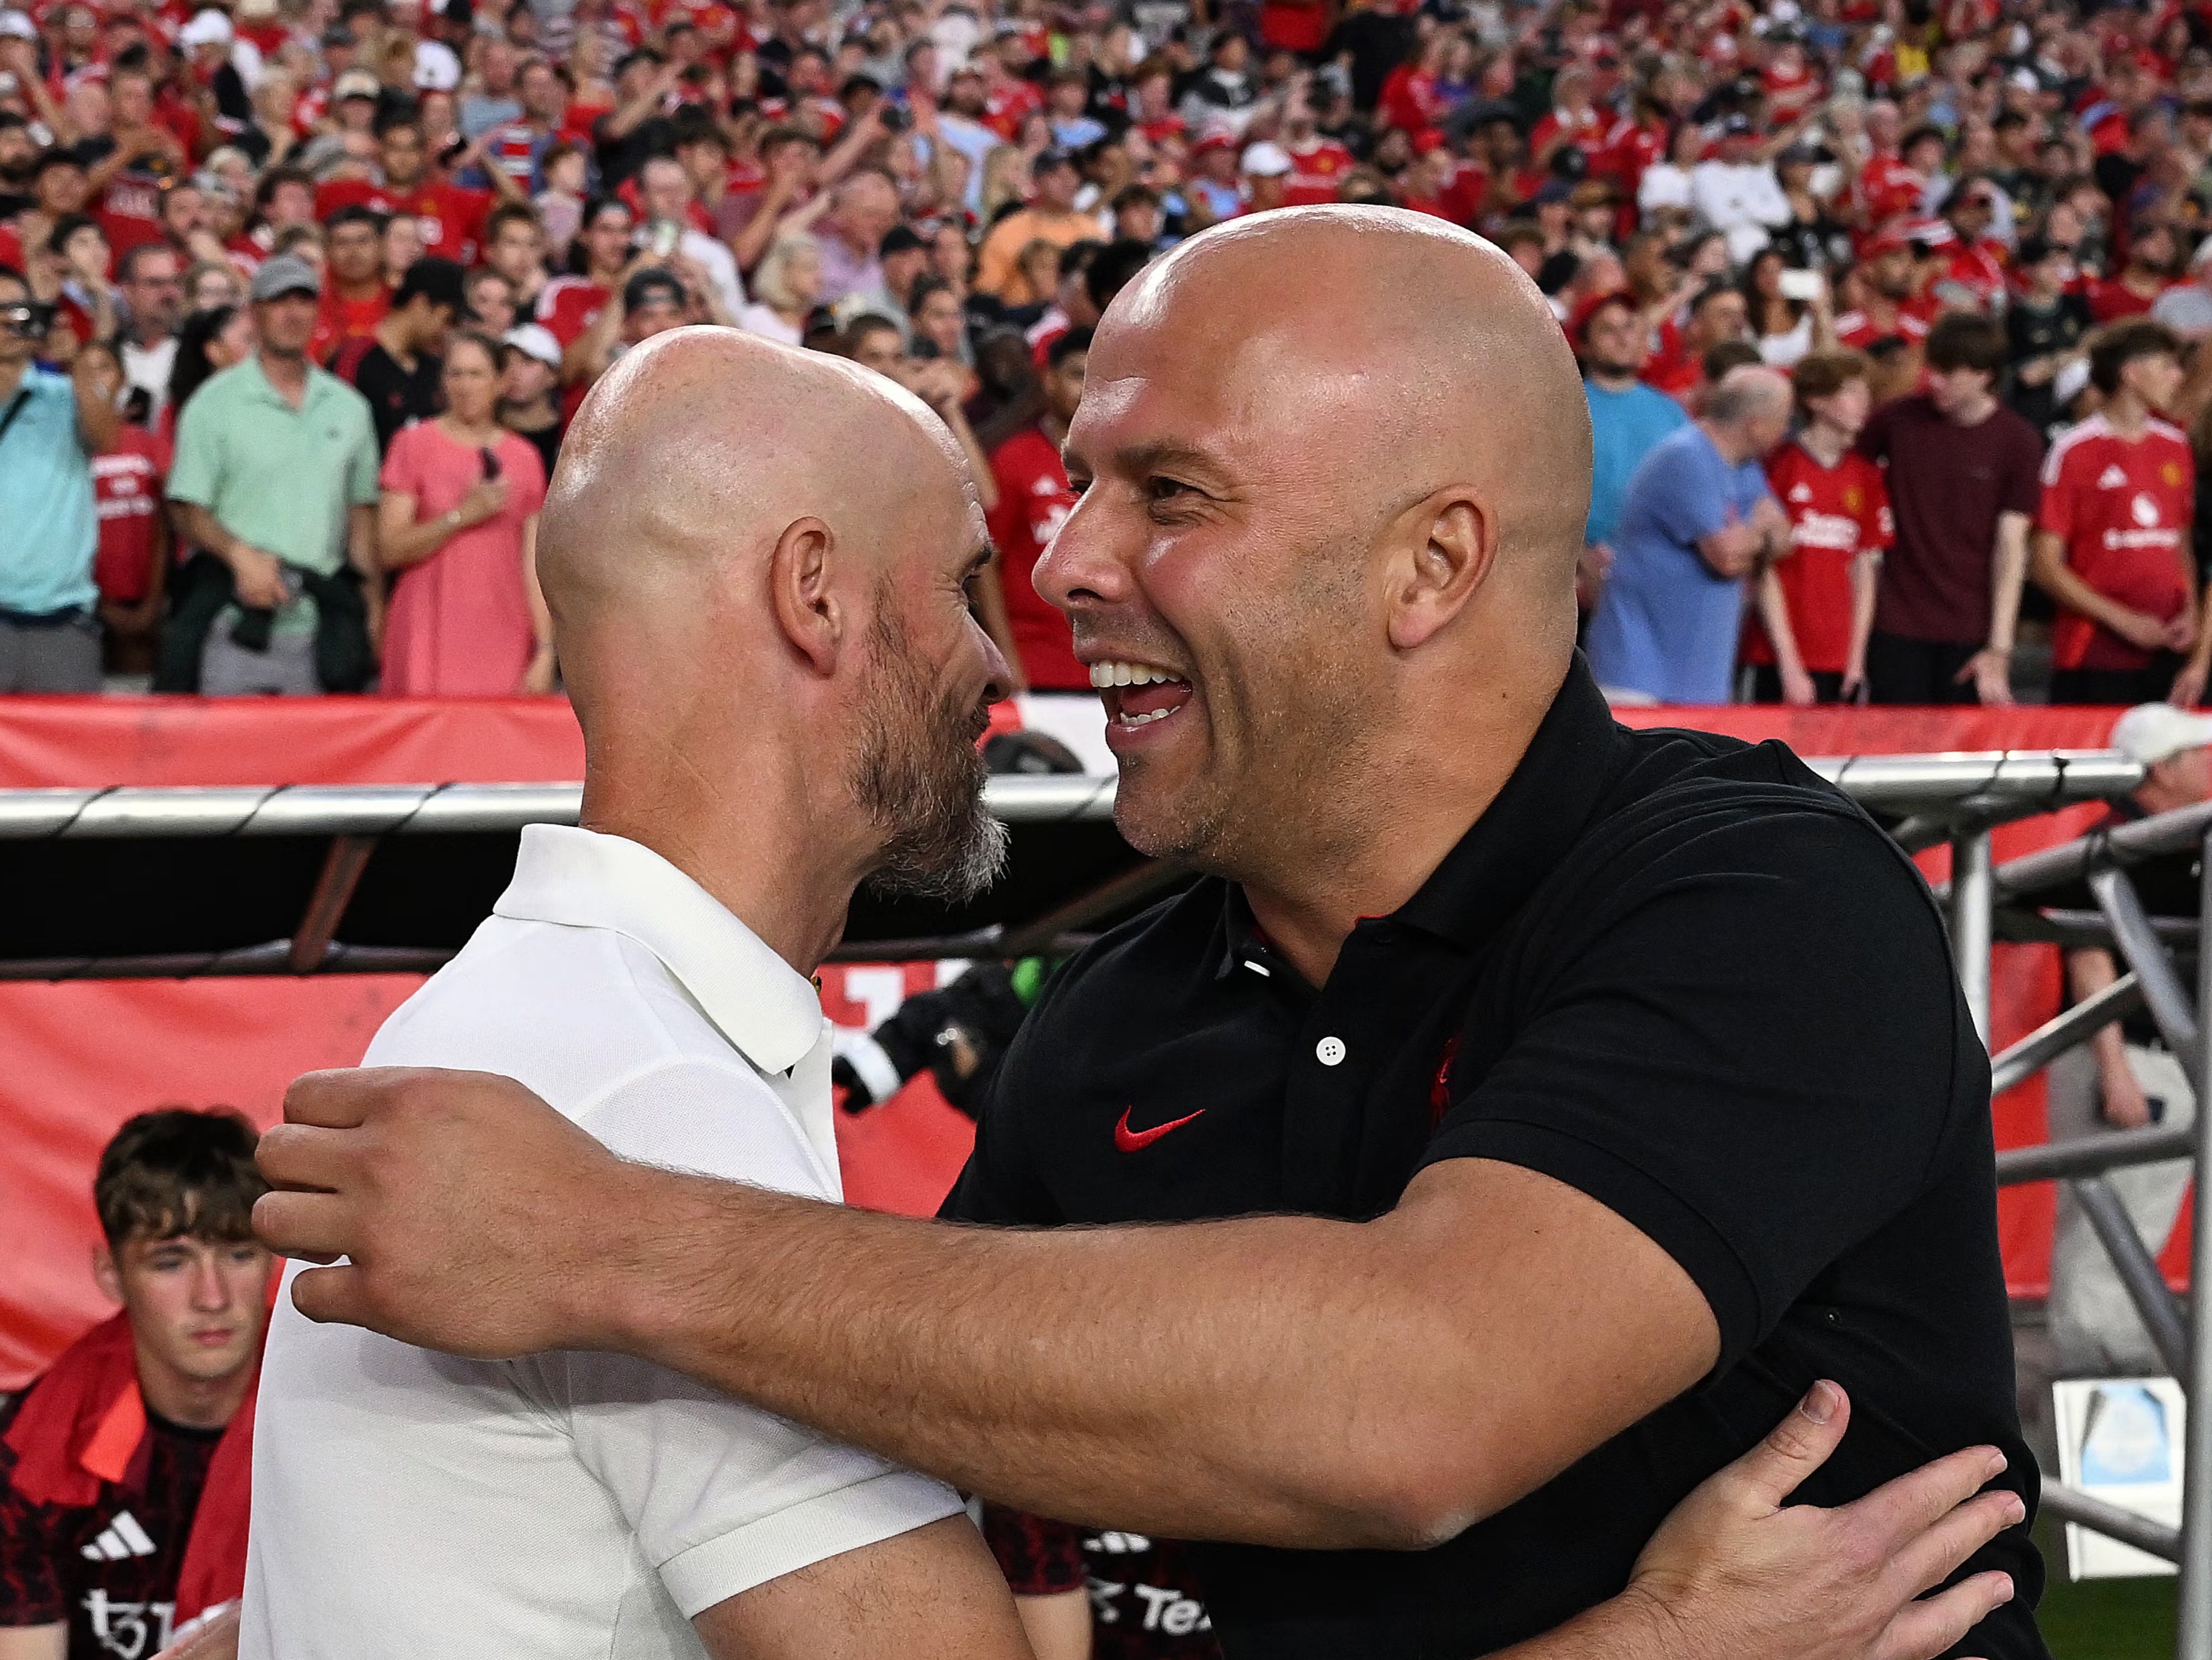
[{"x": 1131, "y": 1140}]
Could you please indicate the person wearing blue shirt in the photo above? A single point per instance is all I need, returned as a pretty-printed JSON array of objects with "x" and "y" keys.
[
  {"x": 1698, "y": 518},
  {"x": 51, "y": 427},
  {"x": 1627, "y": 418}
]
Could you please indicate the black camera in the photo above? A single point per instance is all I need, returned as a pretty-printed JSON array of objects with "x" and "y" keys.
[
  {"x": 895, "y": 119},
  {"x": 28, "y": 319}
]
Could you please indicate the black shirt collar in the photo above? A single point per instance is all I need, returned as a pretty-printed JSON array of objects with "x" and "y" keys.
[{"x": 1513, "y": 846}]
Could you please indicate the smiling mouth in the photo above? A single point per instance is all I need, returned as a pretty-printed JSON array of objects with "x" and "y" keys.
[{"x": 1138, "y": 695}]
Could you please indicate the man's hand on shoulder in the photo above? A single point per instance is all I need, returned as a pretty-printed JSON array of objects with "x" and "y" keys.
[
  {"x": 1736, "y": 1573},
  {"x": 473, "y": 1215}
]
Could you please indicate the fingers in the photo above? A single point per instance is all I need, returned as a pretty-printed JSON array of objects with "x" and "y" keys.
[
  {"x": 1904, "y": 1509},
  {"x": 1936, "y": 1555},
  {"x": 342, "y": 1097},
  {"x": 1924, "y": 1630},
  {"x": 307, "y": 1225},
  {"x": 327, "y": 1295},
  {"x": 1794, "y": 1448}
]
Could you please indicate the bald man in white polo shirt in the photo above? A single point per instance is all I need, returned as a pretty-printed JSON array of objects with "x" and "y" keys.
[{"x": 781, "y": 690}]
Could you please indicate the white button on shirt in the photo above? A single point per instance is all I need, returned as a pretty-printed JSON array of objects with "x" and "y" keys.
[{"x": 567, "y": 1504}]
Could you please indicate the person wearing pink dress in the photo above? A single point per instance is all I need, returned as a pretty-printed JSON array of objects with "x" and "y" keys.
[{"x": 459, "y": 523}]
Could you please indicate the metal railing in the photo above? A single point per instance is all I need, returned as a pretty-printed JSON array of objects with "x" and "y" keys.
[{"x": 1931, "y": 799}]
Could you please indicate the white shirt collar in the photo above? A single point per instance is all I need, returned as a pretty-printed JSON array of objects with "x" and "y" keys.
[{"x": 581, "y": 878}]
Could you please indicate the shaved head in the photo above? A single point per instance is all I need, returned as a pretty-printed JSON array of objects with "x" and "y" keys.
[
  {"x": 1337, "y": 464},
  {"x": 756, "y": 561}
]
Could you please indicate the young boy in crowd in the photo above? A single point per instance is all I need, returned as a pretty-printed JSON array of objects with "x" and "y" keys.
[
  {"x": 126, "y": 1467},
  {"x": 1814, "y": 608}
]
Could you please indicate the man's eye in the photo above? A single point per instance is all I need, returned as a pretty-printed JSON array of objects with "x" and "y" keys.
[{"x": 1165, "y": 489}]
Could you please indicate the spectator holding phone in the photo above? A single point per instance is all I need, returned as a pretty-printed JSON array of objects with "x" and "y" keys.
[
  {"x": 51, "y": 427},
  {"x": 458, "y": 521}
]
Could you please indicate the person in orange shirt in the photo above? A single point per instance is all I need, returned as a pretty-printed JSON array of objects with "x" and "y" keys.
[{"x": 1050, "y": 217}]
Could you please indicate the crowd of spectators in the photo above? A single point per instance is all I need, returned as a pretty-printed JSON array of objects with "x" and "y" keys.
[{"x": 1889, "y": 310}]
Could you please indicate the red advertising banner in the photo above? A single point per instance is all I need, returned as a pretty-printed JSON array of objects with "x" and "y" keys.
[{"x": 80, "y": 1057}]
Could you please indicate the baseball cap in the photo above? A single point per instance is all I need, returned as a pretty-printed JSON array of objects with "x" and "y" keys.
[
  {"x": 286, "y": 274},
  {"x": 19, "y": 25},
  {"x": 899, "y": 239},
  {"x": 651, "y": 283},
  {"x": 1888, "y": 241},
  {"x": 1047, "y": 160},
  {"x": 356, "y": 83},
  {"x": 206, "y": 28},
  {"x": 1267, "y": 160},
  {"x": 1586, "y": 312},
  {"x": 2150, "y": 733},
  {"x": 437, "y": 69},
  {"x": 535, "y": 340}
]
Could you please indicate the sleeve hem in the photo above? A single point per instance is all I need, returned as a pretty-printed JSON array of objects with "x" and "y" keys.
[
  {"x": 1652, "y": 1208},
  {"x": 865, "y": 1513}
]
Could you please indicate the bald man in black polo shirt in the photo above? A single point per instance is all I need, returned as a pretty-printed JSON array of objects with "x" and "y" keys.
[{"x": 1538, "y": 1109}]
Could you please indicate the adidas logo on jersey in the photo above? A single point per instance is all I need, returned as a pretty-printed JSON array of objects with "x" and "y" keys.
[
  {"x": 121, "y": 1537},
  {"x": 1801, "y": 493},
  {"x": 2112, "y": 478}
]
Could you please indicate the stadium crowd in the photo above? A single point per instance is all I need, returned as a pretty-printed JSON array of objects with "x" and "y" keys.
[{"x": 1971, "y": 234}]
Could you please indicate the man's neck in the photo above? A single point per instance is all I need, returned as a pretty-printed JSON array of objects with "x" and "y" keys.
[
  {"x": 1824, "y": 441},
  {"x": 287, "y": 371},
  {"x": 396, "y": 337},
  {"x": 1729, "y": 441},
  {"x": 1316, "y": 895},
  {"x": 196, "y": 1403},
  {"x": 146, "y": 336},
  {"x": 1612, "y": 379},
  {"x": 2127, "y": 415},
  {"x": 1973, "y": 411},
  {"x": 364, "y": 290}
]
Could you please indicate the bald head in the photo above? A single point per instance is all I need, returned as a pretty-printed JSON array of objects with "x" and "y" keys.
[
  {"x": 1406, "y": 354},
  {"x": 757, "y": 560},
  {"x": 699, "y": 448},
  {"x": 1337, "y": 464}
]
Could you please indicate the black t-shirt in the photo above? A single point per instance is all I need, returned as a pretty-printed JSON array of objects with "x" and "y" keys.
[
  {"x": 1676, "y": 971},
  {"x": 2034, "y": 331},
  {"x": 398, "y": 396},
  {"x": 107, "y": 1570}
]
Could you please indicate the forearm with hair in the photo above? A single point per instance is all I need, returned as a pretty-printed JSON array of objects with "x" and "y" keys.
[{"x": 1314, "y": 1382}]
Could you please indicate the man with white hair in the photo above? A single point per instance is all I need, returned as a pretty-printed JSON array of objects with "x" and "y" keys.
[{"x": 1697, "y": 519}]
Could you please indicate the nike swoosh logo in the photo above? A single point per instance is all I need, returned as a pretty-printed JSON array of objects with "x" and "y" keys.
[{"x": 1131, "y": 1140}]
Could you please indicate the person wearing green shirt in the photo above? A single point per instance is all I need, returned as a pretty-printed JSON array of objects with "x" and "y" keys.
[{"x": 276, "y": 476}]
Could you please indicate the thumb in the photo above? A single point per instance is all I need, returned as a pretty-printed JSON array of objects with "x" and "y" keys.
[
  {"x": 1792, "y": 1451},
  {"x": 330, "y": 1294}
]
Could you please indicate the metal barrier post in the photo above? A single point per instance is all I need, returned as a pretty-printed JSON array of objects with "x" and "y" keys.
[
  {"x": 1973, "y": 890},
  {"x": 2193, "y": 1633}
]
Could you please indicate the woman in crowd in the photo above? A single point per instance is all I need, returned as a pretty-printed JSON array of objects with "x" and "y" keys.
[
  {"x": 786, "y": 285},
  {"x": 210, "y": 342},
  {"x": 458, "y": 523},
  {"x": 940, "y": 320}
]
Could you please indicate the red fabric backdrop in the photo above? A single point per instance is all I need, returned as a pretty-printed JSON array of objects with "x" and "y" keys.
[{"x": 82, "y": 1057}]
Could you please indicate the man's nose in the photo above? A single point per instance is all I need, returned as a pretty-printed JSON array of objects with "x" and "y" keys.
[
  {"x": 210, "y": 1294},
  {"x": 1085, "y": 563}
]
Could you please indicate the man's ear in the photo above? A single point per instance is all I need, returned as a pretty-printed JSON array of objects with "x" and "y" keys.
[
  {"x": 1452, "y": 542},
  {"x": 104, "y": 1273},
  {"x": 813, "y": 619}
]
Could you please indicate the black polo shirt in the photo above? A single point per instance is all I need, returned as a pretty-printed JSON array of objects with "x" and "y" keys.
[{"x": 1676, "y": 971}]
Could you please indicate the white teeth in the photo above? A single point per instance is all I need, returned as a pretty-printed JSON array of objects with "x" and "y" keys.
[
  {"x": 1127, "y": 674},
  {"x": 1144, "y": 720}
]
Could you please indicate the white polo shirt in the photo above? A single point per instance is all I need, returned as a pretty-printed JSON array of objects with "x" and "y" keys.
[{"x": 406, "y": 1503}]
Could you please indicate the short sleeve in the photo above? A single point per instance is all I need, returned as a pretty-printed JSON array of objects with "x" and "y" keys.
[
  {"x": 1683, "y": 497},
  {"x": 2054, "y": 511},
  {"x": 403, "y": 470},
  {"x": 197, "y": 464},
  {"x": 1877, "y": 524},
  {"x": 2024, "y": 487},
  {"x": 721, "y": 1496},
  {"x": 1748, "y": 1047},
  {"x": 360, "y": 478}
]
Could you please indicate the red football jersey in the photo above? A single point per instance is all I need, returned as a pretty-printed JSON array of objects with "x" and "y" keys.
[
  {"x": 570, "y": 305},
  {"x": 1836, "y": 513},
  {"x": 1034, "y": 502},
  {"x": 449, "y": 219},
  {"x": 1862, "y": 332},
  {"x": 1316, "y": 170},
  {"x": 2122, "y": 508},
  {"x": 126, "y": 493}
]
